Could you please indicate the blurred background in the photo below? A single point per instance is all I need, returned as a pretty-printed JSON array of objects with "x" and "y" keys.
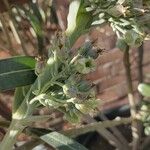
[{"x": 18, "y": 36}]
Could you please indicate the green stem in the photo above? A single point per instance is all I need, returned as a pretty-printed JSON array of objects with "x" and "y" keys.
[
  {"x": 10, "y": 138},
  {"x": 132, "y": 103},
  {"x": 96, "y": 127}
]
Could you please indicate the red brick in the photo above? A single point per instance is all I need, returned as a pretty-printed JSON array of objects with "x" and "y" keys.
[{"x": 110, "y": 56}]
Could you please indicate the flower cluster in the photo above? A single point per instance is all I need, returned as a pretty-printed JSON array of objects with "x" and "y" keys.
[
  {"x": 122, "y": 17},
  {"x": 145, "y": 116},
  {"x": 62, "y": 84}
]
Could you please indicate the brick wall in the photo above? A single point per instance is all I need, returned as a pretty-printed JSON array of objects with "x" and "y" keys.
[{"x": 109, "y": 76}]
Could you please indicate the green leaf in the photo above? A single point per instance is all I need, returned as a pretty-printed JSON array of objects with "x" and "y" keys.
[
  {"x": 61, "y": 142},
  {"x": 79, "y": 20},
  {"x": 144, "y": 89},
  {"x": 121, "y": 44},
  {"x": 16, "y": 72},
  {"x": 147, "y": 130},
  {"x": 133, "y": 39},
  {"x": 20, "y": 94}
]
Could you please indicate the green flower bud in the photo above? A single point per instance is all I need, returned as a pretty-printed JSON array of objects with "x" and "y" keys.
[
  {"x": 133, "y": 39},
  {"x": 147, "y": 130},
  {"x": 117, "y": 10},
  {"x": 145, "y": 116},
  {"x": 121, "y": 44},
  {"x": 70, "y": 90},
  {"x": 83, "y": 86},
  {"x": 85, "y": 65},
  {"x": 87, "y": 50},
  {"x": 87, "y": 106}
]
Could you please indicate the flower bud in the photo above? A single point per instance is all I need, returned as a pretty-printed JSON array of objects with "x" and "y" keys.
[
  {"x": 70, "y": 90},
  {"x": 84, "y": 86},
  {"x": 117, "y": 10},
  {"x": 85, "y": 65},
  {"x": 121, "y": 44},
  {"x": 133, "y": 39},
  {"x": 87, "y": 50},
  {"x": 145, "y": 116},
  {"x": 87, "y": 106}
]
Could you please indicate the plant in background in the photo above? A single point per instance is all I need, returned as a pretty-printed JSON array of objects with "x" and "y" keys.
[
  {"x": 144, "y": 89},
  {"x": 60, "y": 81}
]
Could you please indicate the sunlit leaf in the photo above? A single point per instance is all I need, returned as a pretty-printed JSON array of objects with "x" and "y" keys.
[
  {"x": 16, "y": 71},
  {"x": 144, "y": 89},
  {"x": 61, "y": 142}
]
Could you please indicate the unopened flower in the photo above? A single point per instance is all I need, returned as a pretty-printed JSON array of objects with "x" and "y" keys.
[
  {"x": 133, "y": 39},
  {"x": 87, "y": 50},
  {"x": 118, "y": 10},
  {"x": 70, "y": 90},
  {"x": 85, "y": 65},
  {"x": 87, "y": 106},
  {"x": 145, "y": 116},
  {"x": 121, "y": 44}
]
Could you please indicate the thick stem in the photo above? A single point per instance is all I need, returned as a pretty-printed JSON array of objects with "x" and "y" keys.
[
  {"x": 105, "y": 133},
  {"x": 140, "y": 78},
  {"x": 140, "y": 67},
  {"x": 117, "y": 133},
  {"x": 132, "y": 103},
  {"x": 10, "y": 138},
  {"x": 98, "y": 126}
]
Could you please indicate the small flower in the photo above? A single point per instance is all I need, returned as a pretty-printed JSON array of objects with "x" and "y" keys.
[
  {"x": 85, "y": 65},
  {"x": 87, "y": 50},
  {"x": 121, "y": 44},
  {"x": 87, "y": 106},
  {"x": 70, "y": 90},
  {"x": 118, "y": 10},
  {"x": 145, "y": 116},
  {"x": 133, "y": 39}
]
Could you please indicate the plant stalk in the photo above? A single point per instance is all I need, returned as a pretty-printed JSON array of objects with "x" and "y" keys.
[
  {"x": 96, "y": 126},
  {"x": 117, "y": 133},
  {"x": 140, "y": 67},
  {"x": 10, "y": 138},
  {"x": 105, "y": 133},
  {"x": 132, "y": 103}
]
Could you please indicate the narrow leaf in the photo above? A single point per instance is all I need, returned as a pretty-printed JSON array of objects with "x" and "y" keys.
[
  {"x": 20, "y": 94},
  {"x": 79, "y": 20},
  {"x": 144, "y": 89},
  {"x": 61, "y": 142},
  {"x": 16, "y": 71}
]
